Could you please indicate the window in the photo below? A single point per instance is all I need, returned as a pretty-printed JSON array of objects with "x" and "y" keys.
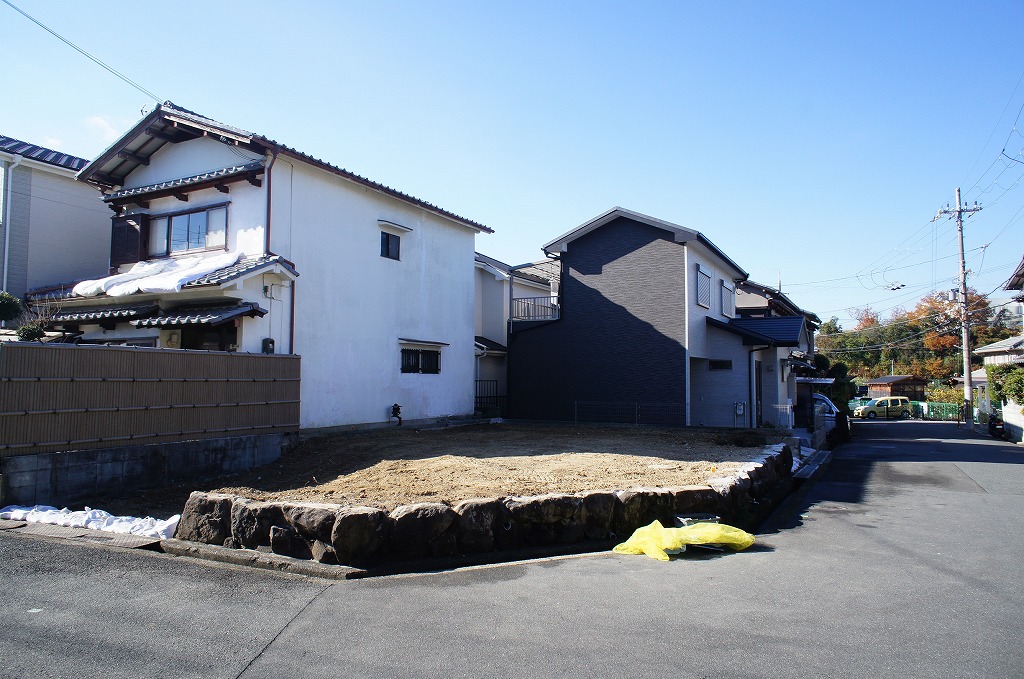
[
  {"x": 204, "y": 229},
  {"x": 720, "y": 364},
  {"x": 728, "y": 300},
  {"x": 389, "y": 245},
  {"x": 421, "y": 361},
  {"x": 703, "y": 287}
]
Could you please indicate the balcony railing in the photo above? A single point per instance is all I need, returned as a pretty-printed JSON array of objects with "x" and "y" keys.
[{"x": 535, "y": 309}]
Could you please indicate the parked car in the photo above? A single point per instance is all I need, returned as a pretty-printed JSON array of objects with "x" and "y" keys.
[{"x": 887, "y": 406}]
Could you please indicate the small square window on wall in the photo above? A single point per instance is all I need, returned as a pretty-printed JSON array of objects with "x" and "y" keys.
[
  {"x": 715, "y": 364},
  {"x": 703, "y": 287},
  {"x": 390, "y": 245}
]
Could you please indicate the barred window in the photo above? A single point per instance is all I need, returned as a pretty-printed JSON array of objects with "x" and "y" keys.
[{"x": 425, "y": 361}]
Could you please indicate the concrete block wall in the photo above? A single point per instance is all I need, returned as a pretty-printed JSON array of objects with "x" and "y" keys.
[{"x": 81, "y": 476}]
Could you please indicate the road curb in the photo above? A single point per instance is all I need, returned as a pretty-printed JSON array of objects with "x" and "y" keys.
[{"x": 254, "y": 559}]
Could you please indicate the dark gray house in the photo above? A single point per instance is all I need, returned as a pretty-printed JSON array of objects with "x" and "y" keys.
[{"x": 645, "y": 330}]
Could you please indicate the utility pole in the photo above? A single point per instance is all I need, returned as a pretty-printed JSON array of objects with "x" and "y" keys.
[{"x": 965, "y": 319}]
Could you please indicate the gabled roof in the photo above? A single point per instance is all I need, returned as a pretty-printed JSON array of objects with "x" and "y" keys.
[
  {"x": 1016, "y": 281},
  {"x": 896, "y": 379},
  {"x": 771, "y": 294},
  {"x": 680, "y": 233},
  {"x": 169, "y": 124},
  {"x": 41, "y": 154},
  {"x": 1010, "y": 345}
]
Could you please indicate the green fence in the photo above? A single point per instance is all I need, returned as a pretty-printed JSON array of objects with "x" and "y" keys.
[
  {"x": 921, "y": 410},
  {"x": 931, "y": 410}
]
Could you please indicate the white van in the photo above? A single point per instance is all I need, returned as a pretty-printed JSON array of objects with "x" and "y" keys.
[{"x": 828, "y": 410}]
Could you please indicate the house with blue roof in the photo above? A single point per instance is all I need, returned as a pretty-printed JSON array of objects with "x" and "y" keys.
[{"x": 52, "y": 228}]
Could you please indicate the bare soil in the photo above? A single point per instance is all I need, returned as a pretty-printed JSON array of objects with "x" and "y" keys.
[{"x": 390, "y": 467}]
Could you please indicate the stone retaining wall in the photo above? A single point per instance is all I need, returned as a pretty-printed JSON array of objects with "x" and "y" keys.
[{"x": 366, "y": 536}]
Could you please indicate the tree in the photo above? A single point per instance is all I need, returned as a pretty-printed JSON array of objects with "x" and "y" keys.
[{"x": 923, "y": 341}]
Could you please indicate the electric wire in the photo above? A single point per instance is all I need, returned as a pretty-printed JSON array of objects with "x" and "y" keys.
[{"x": 81, "y": 51}]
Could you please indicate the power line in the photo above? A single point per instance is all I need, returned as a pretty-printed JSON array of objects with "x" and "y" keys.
[{"x": 81, "y": 51}]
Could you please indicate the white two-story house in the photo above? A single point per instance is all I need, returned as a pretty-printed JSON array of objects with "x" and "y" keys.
[{"x": 222, "y": 239}]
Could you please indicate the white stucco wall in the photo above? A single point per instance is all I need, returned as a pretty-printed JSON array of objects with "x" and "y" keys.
[
  {"x": 491, "y": 305},
  {"x": 352, "y": 305},
  {"x": 246, "y": 203},
  {"x": 187, "y": 159}
]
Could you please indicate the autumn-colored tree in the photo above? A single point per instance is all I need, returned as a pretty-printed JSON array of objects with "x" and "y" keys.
[{"x": 924, "y": 341}]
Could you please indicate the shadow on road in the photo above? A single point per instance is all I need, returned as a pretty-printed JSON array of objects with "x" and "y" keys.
[{"x": 883, "y": 456}]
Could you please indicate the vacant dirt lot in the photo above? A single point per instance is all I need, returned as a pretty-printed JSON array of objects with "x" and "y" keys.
[{"x": 391, "y": 467}]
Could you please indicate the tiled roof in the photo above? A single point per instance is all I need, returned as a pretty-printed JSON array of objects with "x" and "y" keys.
[
  {"x": 243, "y": 267},
  {"x": 41, "y": 153},
  {"x": 93, "y": 314},
  {"x": 895, "y": 379},
  {"x": 1009, "y": 345},
  {"x": 1016, "y": 280},
  {"x": 222, "y": 173},
  {"x": 208, "y": 315},
  {"x": 111, "y": 166}
]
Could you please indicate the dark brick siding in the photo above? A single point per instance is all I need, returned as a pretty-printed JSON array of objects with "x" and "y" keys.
[{"x": 621, "y": 334}]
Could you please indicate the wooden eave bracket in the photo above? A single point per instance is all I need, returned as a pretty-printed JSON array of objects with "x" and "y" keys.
[{"x": 134, "y": 157}]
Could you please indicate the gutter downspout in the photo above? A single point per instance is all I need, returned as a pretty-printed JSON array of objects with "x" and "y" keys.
[
  {"x": 9, "y": 180},
  {"x": 270, "y": 175}
]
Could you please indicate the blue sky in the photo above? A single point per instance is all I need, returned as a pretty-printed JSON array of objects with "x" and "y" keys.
[{"x": 808, "y": 140}]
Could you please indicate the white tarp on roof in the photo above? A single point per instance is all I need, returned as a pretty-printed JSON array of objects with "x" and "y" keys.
[{"x": 159, "y": 275}]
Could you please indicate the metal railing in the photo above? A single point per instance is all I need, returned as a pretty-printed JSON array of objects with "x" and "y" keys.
[
  {"x": 488, "y": 400},
  {"x": 535, "y": 309}
]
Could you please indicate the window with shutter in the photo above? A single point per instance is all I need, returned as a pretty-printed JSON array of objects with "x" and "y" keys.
[
  {"x": 703, "y": 287},
  {"x": 728, "y": 300},
  {"x": 128, "y": 235}
]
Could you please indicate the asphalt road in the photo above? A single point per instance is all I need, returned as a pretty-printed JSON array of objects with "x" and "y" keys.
[{"x": 903, "y": 559}]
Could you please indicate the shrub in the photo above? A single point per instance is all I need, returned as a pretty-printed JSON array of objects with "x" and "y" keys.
[
  {"x": 10, "y": 307},
  {"x": 31, "y": 332}
]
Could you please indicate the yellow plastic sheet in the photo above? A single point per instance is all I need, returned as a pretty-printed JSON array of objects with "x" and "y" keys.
[{"x": 656, "y": 541}]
